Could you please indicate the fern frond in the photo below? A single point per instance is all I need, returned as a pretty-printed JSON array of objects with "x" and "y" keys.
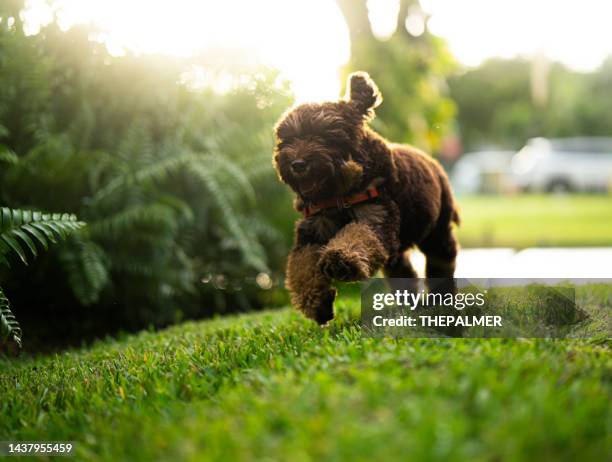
[
  {"x": 160, "y": 170},
  {"x": 136, "y": 142},
  {"x": 86, "y": 265},
  {"x": 7, "y": 156},
  {"x": 130, "y": 266},
  {"x": 157, "y": 216},
  {"x": 252, "y": 251},
  {"x": 264, "y": 230},
  {"x": 10, "y": 332},
  {"x": 239, "y": 179},
  {"x": 260, "y": 170},
  {"x": 21, "y": 229},
  {"x": 157, "y": 171}
]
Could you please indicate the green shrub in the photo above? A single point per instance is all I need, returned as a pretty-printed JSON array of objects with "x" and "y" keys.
[
  {"x": 22, "y": 232},
  {"x": 175, "y": 182}
]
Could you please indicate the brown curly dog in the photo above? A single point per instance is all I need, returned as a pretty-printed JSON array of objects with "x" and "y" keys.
[{"x": 365, "y": 201}]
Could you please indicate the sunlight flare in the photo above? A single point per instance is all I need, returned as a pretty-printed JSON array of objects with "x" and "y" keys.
[{"x": 307, "y": 41}]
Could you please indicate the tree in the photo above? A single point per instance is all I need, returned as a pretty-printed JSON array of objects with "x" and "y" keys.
[
  {"x": 496, "y": 105},
  {"x": 411, "y": 72},
  {"x": 593, "y": 110}
]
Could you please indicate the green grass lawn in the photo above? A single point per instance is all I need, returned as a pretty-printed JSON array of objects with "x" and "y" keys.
[
  {"x": 536, "y": 220},
  {"x": 274, "y": 386}
]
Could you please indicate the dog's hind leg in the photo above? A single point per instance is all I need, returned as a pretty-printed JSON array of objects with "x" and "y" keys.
[
  {"x": 401, "y": 274},
  {"x": 401, "y": 268},
  {"x": 440, "y": 249}
]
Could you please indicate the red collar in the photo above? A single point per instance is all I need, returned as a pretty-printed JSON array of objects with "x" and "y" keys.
[{"x": 341, "y": 202}]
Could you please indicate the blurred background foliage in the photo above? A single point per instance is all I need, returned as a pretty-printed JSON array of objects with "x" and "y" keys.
[
  {"x": 411, "y": 72},
  {"x": 175, "y": 184},
  {"x": 498, "y": 105},
  {"x": 173, "y": 177}
]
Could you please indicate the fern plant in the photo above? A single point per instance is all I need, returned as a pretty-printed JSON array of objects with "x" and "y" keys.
[
  {"x": 10, "y": 332},
  {"x": 170, "y": 180},
  {"x": 21, "y": 233},
  {"x": 226, "y": 186}
]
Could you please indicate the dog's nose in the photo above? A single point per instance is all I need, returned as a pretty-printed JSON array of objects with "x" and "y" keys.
[{"x": 298, "y": 166}]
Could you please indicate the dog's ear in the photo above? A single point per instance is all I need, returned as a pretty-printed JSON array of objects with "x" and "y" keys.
[{"x": 363, "y": 93}]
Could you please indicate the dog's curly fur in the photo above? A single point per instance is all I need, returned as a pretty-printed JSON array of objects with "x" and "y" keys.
[{"x": 328, "y": 151}]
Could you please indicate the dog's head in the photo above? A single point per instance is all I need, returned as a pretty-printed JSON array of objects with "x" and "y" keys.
[{"x": 317, "y": 145}]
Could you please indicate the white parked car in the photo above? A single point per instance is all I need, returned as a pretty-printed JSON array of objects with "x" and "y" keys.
[
  {"x": 564, "y": 165},
  {"x": 483, "y": 172}
]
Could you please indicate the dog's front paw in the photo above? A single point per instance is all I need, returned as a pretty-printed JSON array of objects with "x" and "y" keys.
[{"x": 343, "y": 266}]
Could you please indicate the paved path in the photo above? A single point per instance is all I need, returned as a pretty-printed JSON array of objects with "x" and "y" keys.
[{"x": 529, "y": 263}]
